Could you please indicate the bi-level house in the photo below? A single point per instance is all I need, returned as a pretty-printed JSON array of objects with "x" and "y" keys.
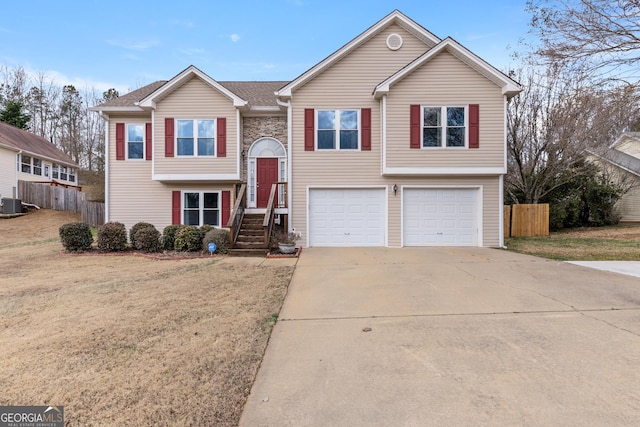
[{"x": 396, "y": 139}]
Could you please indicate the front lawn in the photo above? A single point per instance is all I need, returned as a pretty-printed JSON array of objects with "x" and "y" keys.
[
  {"x": 616, "y": 243},
  {"x": 128, "y": 340}
]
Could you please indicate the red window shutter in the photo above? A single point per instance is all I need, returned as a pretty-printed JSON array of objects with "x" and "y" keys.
[
  {"x": 309, "y": 129},
  {"x": 119, "y": 141},
  {"x": 222, "y": 137},
  {"x": 414, "y": 119},
  {"x": 226, "y": 207},
  {"x": 366, "y": 128},
  {"x": 168, "y": 137},
  {"x": 175, "y": 207},
  {"x": 148, "y": 141},
  {"x": 474, "y": 126}
]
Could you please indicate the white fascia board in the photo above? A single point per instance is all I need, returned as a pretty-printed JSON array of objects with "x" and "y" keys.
[
  {"x": 509, "y": 87},
  {"x": 196, "y": 177},
  {"x": 394, "y": 17},
  {"x": 444, "y": 170},
  {"x": 177, "y": 81}
]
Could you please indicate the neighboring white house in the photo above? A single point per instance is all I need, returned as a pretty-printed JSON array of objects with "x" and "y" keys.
[
  {"x": 395, "y": 139},
  {"x": 29, "y": 157},
  {"x": 624, "y": 157}
]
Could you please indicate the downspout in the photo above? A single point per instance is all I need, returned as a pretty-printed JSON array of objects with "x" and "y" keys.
[
  {"x": 501, "y": 192},
  {"x": 16, "y": 193},
  {"x": 289, "y": 157}
]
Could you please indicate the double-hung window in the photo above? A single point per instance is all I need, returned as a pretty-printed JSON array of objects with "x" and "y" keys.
[
  {"x": 196, "y": 137},
  {"x": 25, "y": 162},
  {"x": 135, "y": 141},
  {"x": 201, "y": 207},
  {"x": 444, "y": 127},
  {"x": 338, "y": 130}
]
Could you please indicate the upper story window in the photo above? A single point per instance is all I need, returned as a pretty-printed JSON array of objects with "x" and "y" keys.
[
  {"x": 196, "y": 137},
  {"x": 444, "y": 127},
  {"x": 338, "y": 130},
  {"x": 135, "y": 141}
]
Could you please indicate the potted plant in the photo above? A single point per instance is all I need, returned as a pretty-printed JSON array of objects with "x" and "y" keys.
[{"x": 286, "y": 242}]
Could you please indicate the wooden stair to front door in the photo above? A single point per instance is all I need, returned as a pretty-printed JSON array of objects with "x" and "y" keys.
[{"x": 250, "y": 241}]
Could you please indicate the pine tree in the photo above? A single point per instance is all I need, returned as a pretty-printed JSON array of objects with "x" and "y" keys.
[{"x": 13, "y": 115}]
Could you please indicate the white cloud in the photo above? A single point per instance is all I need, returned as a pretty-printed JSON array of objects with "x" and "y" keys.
[
  {"x": 234, "y": 37},
  {"x": 134, "y": 45}
]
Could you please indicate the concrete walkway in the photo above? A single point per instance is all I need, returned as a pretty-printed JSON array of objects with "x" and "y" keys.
[{"x": 435, "y": 336}]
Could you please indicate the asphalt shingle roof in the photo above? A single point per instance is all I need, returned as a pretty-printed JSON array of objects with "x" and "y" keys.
[
  {"x": 259, "y": 94},
  {"x": 19, "y": 139}
]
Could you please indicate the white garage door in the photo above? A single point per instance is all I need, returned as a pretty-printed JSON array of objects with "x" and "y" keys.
[
  {"x": 440, "y": 217},
  {"x": 346, "y": 217}
]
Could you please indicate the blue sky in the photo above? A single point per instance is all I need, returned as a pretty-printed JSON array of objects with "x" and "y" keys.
[{"x": 127, "y": 44}]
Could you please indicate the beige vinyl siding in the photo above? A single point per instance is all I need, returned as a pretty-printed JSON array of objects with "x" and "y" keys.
[
  {"x": 196, "y": 100},
  {"x": 445, "y": 81},
  {"x": 630, "y": 206},
  {"x": 348, "y": 84},
  {"x": 7, "y": 172},
  {"x": 133, "y": 196}
]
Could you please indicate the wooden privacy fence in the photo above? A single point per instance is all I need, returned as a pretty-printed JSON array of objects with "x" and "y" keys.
[
  {"x": 526, "y": 220},
  {"x": 62, "y": 199}
]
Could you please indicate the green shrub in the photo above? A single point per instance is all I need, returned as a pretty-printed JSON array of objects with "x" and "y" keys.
[
  {"x": 206, "y": 228},
  {"x": 134, "y": 230},
  {"x": 112, "y": 237},
  {"x": 220, "y": 237},
  {"x": 75, "y": 237},
  {"x": 148, "y": 239},
  {"x": 188, "y": 238},
  {"x": 169, "y": 236}
]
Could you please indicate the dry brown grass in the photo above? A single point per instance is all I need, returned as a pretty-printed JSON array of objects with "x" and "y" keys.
[
  {"x": 585, "y": 244},
  {"x": 128, "y": 340}
]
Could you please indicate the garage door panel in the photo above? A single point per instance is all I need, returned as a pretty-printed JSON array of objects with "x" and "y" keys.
[
  {"x": 353, "y": 217},
  {"x": 440, "y": 217}
]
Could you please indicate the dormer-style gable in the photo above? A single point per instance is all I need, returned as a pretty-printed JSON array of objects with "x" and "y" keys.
[
  {"x": 509, "y": 87},
  {"x": 183, "y": 77},
  {"x": 396, "y": 17}
]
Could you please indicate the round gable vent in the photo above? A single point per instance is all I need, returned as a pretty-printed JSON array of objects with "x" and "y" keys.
[{"x": 394, "y": 41}]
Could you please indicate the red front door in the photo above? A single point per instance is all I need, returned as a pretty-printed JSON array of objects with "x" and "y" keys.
[{"x": 267, "y": 174}]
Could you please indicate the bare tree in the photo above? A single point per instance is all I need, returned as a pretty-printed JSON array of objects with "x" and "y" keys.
[
  {"x": 553, "y": 123},
  {"x": 604, "y": 34}
]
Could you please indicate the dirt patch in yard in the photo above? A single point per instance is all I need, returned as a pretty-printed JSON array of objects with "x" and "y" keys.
[{"x": 129, "y": 340}]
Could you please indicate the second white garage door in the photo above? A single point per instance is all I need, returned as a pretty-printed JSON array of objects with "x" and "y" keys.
[
  {"x": 440, "y": 217},
  {"x": 346, "y": 217}
]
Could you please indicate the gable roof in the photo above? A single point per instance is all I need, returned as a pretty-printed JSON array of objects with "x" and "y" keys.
[
  {"x": 395, "y": 17},
  {"x": 622, "y": 160},
  {"x": 258, "y": 94},
  {"x": 626, "y": 135},
  {"x": 20, "y": 140},
  {"x": 509, "y": 86},
  {"x": 183, "y": 77}
]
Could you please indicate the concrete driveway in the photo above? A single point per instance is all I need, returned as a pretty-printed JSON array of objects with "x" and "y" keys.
[{"x": 437, "y": 336}]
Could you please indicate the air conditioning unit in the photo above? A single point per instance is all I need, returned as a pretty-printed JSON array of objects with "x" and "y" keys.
[{"x": 11, "y": 206}]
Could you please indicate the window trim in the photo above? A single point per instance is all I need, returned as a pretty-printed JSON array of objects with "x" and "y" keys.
[
  {"x": 201, "y": 206},
  {"x": 144, "y": 141},
  {"x": 443, "y": 113},
  {"x": 337, "y": 130},
  {"x": 195, "y": 137},
  {"x": 56, "y": 169}
]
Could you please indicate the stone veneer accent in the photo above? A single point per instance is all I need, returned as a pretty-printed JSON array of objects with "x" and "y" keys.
[{"x": 254, "y": 128}]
